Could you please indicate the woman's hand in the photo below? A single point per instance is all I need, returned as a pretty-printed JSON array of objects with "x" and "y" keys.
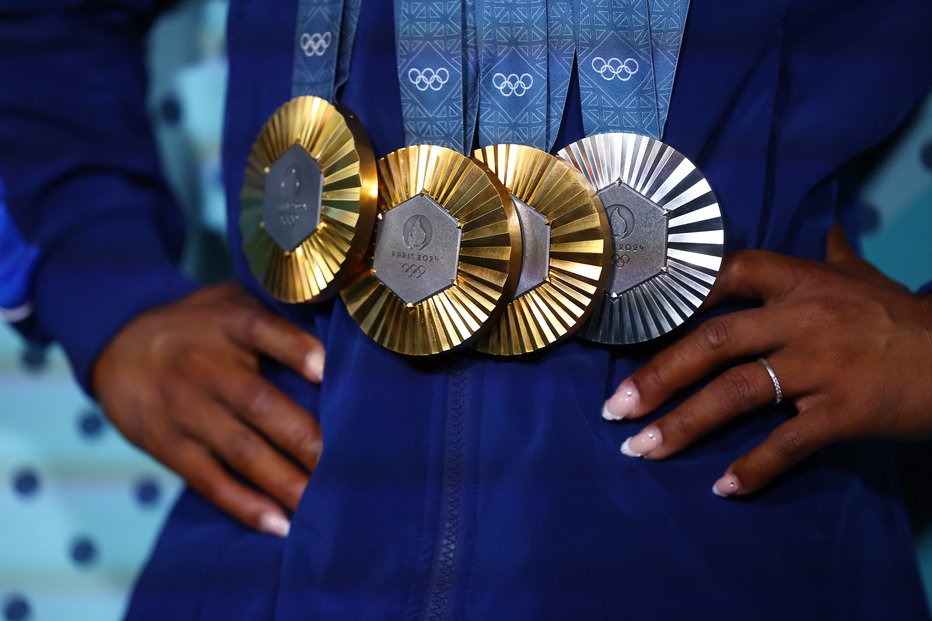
[
  {"x": 182, "y": 383},
  {"x": 851, "y": 349}
]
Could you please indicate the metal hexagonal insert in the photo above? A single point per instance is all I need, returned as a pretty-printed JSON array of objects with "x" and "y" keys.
[
  {"x": 639, "y": 237},
  {"x": 291, "y": 204},
  {"x": 417, "y": 249},
  {"x": 535, "y": 247}
]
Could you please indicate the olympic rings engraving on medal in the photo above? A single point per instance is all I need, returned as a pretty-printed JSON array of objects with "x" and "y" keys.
[
  {"x": 513, "y": 84},
  {"x": 614, "y": 68},
  {"x": 620, "y": 260},
  {"x": 315, "y": 44},
  {"x": 413, "y": 270},
  {"x": 433, "y": 79}
]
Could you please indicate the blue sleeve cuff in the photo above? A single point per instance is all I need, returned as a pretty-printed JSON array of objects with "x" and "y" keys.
[
  {"x": 97, "y": 280},
  {"x": 925, "y": 289}
]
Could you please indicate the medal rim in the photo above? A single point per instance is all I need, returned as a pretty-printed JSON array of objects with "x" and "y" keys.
[
  {"x": 546, "y": 317},
  {"x": 630, "y": 317},
  {"x": 380, "y": 312},
  {"x": 314, "y": 271}
]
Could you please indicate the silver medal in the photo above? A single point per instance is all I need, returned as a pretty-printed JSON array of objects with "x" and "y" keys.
[{"x": 667, "y": 235}]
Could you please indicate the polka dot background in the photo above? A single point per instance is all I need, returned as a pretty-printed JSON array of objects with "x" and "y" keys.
[{"x": 80, "y": 508}]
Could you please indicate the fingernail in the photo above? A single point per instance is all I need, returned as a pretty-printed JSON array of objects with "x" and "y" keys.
[
  {"x": 623, "y": 403},
  {"x": 274, "y": 524},
  {"x": 643, "y": 443},
  {"x": 726, "y": 486},
  {"x": 314, "y": 366}
]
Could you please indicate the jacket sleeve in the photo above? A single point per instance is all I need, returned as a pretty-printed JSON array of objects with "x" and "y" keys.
[{"x": 81, "y": 171}]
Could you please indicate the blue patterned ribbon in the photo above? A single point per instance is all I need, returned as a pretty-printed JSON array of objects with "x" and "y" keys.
[
  {"x": 430, "y": 58},
  {"x": 667, "y": 24},
  {"x": 347, "y": 38},
  {"x": 513, "y": 52},
  {"x": 316, "y": 46},
  {"x": 616, "y": 72},
  {"x": 470, "y": 73},
  {"x": 561, "y": 48}
]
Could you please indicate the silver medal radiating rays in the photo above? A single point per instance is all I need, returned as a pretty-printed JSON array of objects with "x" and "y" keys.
[{"x": 667, "y": 235}]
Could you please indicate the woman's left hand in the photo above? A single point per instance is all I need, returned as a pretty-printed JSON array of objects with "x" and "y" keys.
[{"x": 851, "y": 349}]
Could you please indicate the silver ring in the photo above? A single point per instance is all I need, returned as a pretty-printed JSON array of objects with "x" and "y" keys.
[{"x": 773, "y": 378}]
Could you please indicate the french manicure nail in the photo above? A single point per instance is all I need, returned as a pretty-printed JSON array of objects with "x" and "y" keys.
[
  {"x": 623, "y": 403},
  {"x": 643, "y": 443},
  {"x": 274, "y": 524},
  {"x": 314, "y": 366},
  {"x": 726, "y": 486}
]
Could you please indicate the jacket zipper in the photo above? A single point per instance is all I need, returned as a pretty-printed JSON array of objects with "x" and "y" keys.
[{"x": 440, "y": 585}]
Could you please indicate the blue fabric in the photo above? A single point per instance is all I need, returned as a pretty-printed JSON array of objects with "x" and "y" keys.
[
  {"x": 81, "y": 170},
  {"x": 464, "y": 486},
  {"x": 17, "y": 262}
]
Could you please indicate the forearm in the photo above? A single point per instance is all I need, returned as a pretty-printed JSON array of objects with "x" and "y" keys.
[{"x": 82, "y": 174}]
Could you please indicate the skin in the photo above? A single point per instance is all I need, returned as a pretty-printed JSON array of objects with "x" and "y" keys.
[
  {"x": 182, "y": 382},
  {"x": 852, "y": 350}
]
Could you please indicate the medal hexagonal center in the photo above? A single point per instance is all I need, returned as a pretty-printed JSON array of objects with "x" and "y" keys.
[
  {"x": 535, "y": 247},
  {"x": 417, "y": 249},
  {"x": 639, "y": 237},
  {"x": 291, "y": 203}
]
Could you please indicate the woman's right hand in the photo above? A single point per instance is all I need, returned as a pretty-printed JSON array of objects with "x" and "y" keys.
[{"x": 182, "y": 382}]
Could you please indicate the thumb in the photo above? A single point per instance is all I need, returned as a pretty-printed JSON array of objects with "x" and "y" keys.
[
  {"x": 840, "y": 253},
  {"x": 838, "y": 250}
]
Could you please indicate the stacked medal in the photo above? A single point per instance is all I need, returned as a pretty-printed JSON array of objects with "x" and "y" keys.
[
  {"x": 507, "y": 248},
  {"x": 309, "y": 190}
]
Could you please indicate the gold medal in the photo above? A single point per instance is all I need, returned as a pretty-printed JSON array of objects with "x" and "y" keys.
[
  {"x": 446, "y": 253},
  {"x": 667, "y": 235},
  {"x": 564, "y": 249},
  {"x": 308, "y": 200}
]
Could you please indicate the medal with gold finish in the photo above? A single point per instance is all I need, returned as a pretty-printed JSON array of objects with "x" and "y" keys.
[
  {"x": 308, "y": 200},
  {"x": 667, "y": 235},
  {"x": 565, "y": 249},
  {"x": 446, "y": 253}
]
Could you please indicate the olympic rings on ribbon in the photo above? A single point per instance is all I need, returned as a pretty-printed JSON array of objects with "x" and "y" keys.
[
  {"x": 513, "y": 84},
  {"x": 615, "y": 68},
  {"x": 433, "y": 79},
  {"x": 315, "y": 44}
]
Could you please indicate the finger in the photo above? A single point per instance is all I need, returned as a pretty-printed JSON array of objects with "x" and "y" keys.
[
  {"x": 837, "y": 249},
  {"x": 248, "y": 453},
  {"x": 754, "y": 274},
  {"x": 738, "y": 390},
  {"x": 717, "y": 341},
  {"x": 786, "y": 446},
  {"x": 264, "y": 331},
  {"x": 205, "y": 475},
  {"x": 844, "y": 257},
  {"x": 274, "y": 414}
]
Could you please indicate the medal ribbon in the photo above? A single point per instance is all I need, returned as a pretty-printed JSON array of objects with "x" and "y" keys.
[
  {"x": 347, "y": 38},
  {"x": 470, "y": 72},
  {"x": 667, "y": 24},
  {"x": 324, "y": 35},
  {"x": 628, "y": 53},
  {"x": 429, "y": 50},
  {"x": 616, "y": 69},
  {"x": 561, "y": 49},
  {"x": 513, "y": 58}
]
